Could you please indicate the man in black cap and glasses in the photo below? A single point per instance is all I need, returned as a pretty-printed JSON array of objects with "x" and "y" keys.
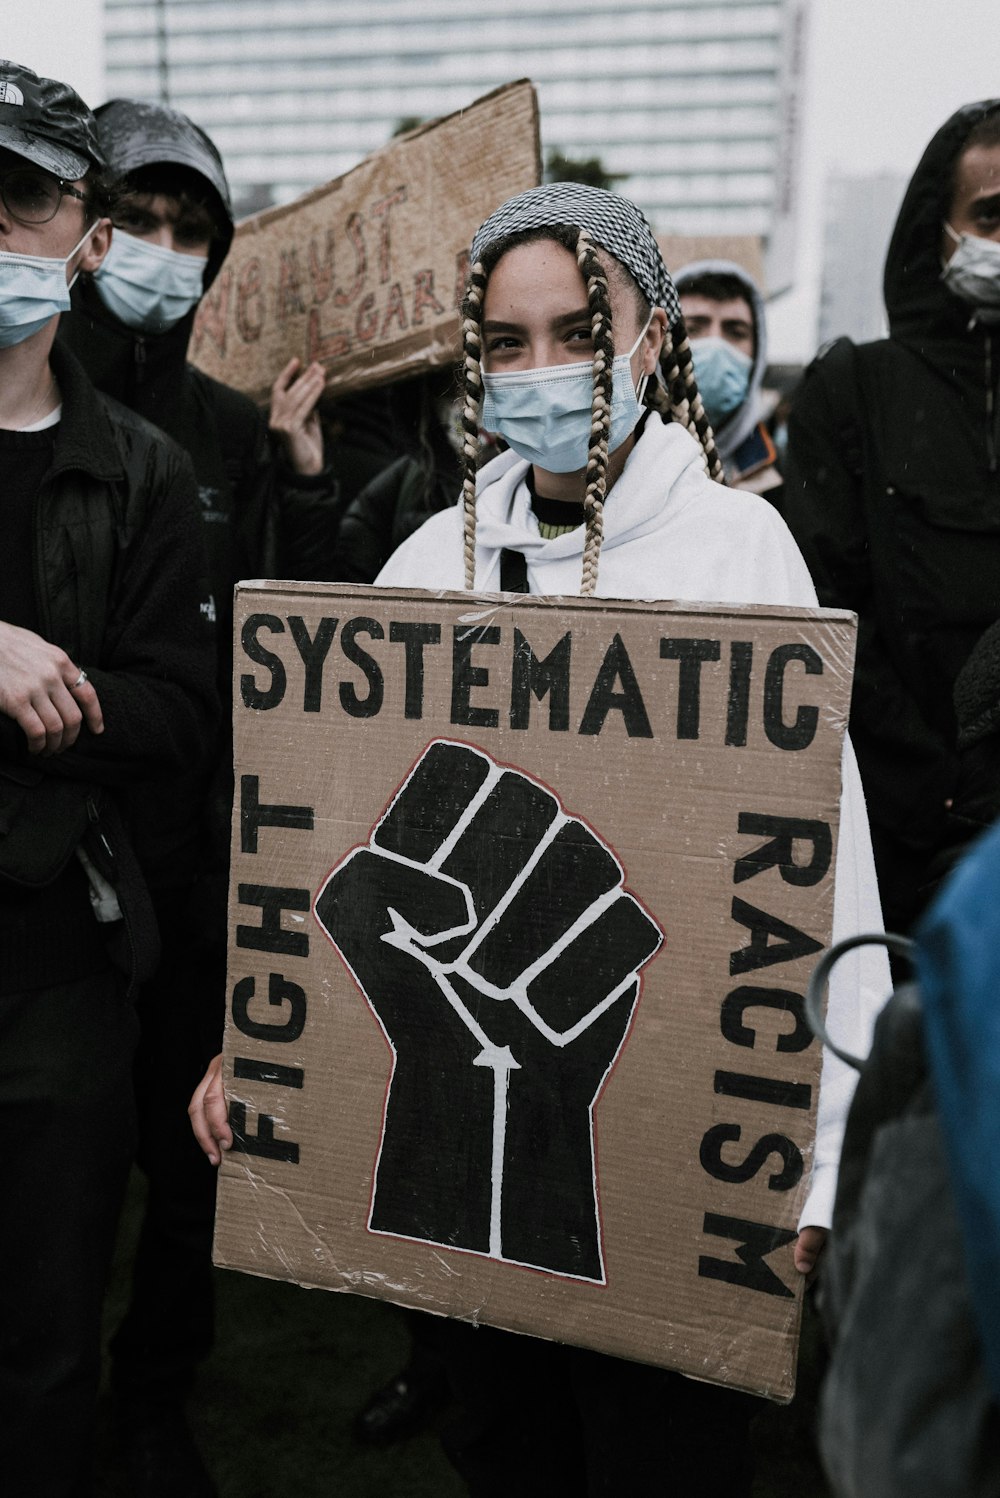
[{"x": 106, "y": 679}]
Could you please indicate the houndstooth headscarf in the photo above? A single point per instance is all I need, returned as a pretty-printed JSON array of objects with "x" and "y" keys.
[{"x": 613, "y": 222}]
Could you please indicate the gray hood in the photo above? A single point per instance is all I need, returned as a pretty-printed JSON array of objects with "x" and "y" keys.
[{"x": 741, "y": 422}]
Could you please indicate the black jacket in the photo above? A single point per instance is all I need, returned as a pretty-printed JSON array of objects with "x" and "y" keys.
[
  {"x": 416, "y": 473},
  {"x": 390, "y": 508},
  {"x": 120, "y": 584},
  {"x": 121, "y": 587},
  {"x": 892, "y": 490},
  {"x": 261, "y": 519}
]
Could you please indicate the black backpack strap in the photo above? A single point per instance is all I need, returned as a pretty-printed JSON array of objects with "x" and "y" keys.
[
  {"x": 513, "y": 572},
  {"x": 815, "y": 996},
  {"x": 841, "y": 364}
]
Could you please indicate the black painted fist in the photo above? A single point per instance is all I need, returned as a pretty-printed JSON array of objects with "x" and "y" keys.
[{"x": 492, "y": 937}]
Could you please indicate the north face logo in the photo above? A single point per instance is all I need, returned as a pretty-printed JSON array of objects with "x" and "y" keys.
[{"x": 10, "y": 94}]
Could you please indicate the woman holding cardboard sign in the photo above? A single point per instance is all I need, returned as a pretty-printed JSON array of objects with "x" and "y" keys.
[{"x": 575, "y": 352}]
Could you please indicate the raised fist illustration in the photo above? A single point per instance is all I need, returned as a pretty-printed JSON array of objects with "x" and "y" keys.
[{"x": 491, "y": 935}]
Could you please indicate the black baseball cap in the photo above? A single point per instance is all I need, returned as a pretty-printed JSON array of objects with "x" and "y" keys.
[{"x": 47, "y": 123}]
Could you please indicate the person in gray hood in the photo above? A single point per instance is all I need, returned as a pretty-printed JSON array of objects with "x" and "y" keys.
[{"x": 726, "y": 321}]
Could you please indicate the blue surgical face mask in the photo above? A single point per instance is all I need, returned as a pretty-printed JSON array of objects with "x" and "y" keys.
[
  {"x": 723, "y": 374},
  {"x": 33, "y": 290},
  {"x": 544, "y": 414},
  {"x": 147, "y": 287}
]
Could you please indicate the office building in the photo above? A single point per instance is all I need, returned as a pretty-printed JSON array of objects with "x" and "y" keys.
[
  {"x": 694, "y": 105},
  {"x": 860, "y": 214}
]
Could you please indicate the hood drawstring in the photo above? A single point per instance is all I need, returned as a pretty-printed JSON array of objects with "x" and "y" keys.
[
  {"x": 991, "y": 433},
  {"x": 139, "y": 358}
]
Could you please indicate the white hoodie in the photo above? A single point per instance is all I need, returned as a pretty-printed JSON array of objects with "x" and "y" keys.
[{"x": 671, "y": 533}]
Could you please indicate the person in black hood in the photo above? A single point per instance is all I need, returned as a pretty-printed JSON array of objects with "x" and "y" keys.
[
  {"x": 892, "y": 490},
  {"x": 268, "y": 501},
  {"x": 268, "y": 509}
]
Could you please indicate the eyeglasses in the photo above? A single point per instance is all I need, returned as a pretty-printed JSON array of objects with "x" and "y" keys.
[{"x": 32, "y": 196}]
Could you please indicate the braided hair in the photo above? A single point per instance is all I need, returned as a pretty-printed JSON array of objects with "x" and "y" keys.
[
  {"x": 682, "y": 398},
  {"x": 472, "y": 385},
  {"x": 599, "y": 303},
  {"x": 677, "y": 400}
]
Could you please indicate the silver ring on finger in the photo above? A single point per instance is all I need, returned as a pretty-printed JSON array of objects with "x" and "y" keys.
[{"x": 79, "y": 681}]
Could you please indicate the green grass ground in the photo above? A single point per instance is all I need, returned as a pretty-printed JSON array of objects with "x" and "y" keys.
[{"x": 274, "y": 1403}]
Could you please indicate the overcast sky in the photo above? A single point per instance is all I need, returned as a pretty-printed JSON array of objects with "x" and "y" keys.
[{"x": 882, "y": 75}]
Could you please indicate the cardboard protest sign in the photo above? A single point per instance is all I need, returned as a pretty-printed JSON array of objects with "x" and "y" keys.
[
  {"x": 525, "y": 894},
  {"x": 366, "y": 273},
  {"x": 745, "y": 250}
]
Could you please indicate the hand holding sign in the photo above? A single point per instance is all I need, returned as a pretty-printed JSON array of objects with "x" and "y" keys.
[
  {"x": 491, "y": 935},
  {"x": 294, "y": 418}
]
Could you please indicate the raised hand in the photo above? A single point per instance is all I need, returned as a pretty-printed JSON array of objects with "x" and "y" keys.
[{"x": 294, "y": 418}]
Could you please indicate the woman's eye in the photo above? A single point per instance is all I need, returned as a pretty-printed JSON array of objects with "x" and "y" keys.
[
  {"x": 580, "y": 335},
  {"x": 496, "y": 345}
]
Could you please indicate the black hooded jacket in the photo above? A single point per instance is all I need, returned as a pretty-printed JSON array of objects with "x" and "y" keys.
[
  {"x": 260, "y": 518},
  {"x": 892, "y": 490},
  {"x": 419, "y": 474},
  {"x": 118, "y": 570}
]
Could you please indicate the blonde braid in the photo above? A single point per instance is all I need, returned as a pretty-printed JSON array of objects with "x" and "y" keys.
[
  {"x": 685, "y": 398},
  {"x": 599, "y": 302},
  {"x": 472, "y": 311}
]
